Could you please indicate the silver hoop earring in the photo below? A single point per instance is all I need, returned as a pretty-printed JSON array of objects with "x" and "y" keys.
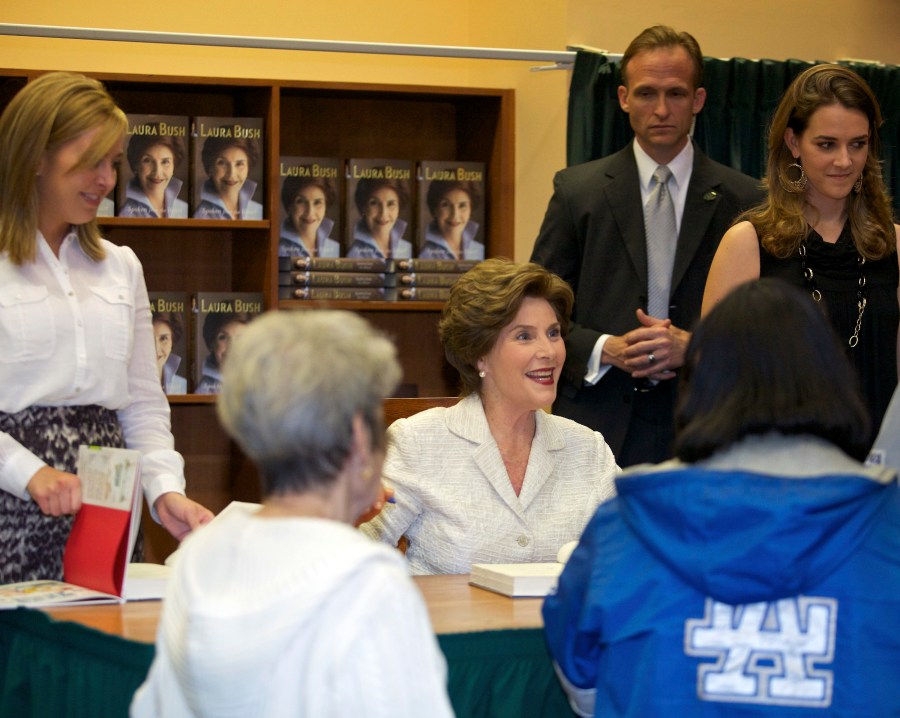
[
  {"x": 794, "y": 185},
  {"x": 857, "y": 186}
]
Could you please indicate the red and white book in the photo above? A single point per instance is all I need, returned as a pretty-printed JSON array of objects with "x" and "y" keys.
[{"x": 95, "y": 562}]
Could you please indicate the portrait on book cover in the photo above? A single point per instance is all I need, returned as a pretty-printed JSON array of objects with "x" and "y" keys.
[
  {"x": 228, "y": 168},
  {"x": 310, "y": 209},
  {"x": 451, "y": 210},
  {"x": 381, "y": 208},
  {"x": 153, "y": 180},
  {"x": 168, "y": 314},
  {"x": 221, "y": 319}
]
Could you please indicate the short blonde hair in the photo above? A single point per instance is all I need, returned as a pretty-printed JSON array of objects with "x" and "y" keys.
[
  {"x": 484, "y": 301},
  {"x": 46, "y": 114}
]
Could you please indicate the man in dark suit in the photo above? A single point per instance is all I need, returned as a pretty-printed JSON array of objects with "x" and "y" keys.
[{"x": 603, "y": 234}]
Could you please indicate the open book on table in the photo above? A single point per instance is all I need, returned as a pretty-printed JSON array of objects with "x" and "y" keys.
[{"x": 95, "y": 562}]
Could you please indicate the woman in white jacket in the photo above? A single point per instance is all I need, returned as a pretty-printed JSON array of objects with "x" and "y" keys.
[{"x": 495, "y": 479}]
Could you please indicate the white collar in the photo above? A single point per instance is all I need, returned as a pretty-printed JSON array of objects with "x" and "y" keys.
[
  {"x": 680, "y": 166},
  {"x": 43, "y": 246}
]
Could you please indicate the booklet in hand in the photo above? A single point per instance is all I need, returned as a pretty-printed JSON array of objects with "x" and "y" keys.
[{"x": 102, "y": 538}]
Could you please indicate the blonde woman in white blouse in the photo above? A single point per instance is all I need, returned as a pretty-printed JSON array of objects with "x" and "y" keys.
[
  {"x": 495, "y": 479},
  {"x": 77, "y": 356}
]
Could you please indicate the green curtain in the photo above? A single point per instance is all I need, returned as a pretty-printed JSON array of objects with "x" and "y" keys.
[{"x": 741, "y": 97}]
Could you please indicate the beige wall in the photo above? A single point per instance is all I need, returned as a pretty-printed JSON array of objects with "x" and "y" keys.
[
  {"x": 826, "y": 29},
  {"x": 775, "y": 29}
]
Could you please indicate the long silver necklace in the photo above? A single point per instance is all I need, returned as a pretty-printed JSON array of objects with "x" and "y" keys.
[{"x": 861, "y": 301}]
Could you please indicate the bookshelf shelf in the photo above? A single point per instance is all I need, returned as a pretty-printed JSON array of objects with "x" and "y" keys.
[
  {"x": 163, "y": 224},
  {"x": 192, "y": 399},
  {"x": 398, "y": 306}
]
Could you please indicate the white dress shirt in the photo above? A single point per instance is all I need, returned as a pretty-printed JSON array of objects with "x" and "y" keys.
[{"x": 75, "y": 332}]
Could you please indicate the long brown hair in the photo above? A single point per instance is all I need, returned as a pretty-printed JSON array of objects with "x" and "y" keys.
[{"x": 779, "y": 219}]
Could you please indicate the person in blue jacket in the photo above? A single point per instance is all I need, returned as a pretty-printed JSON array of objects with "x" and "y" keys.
[{"x": 758, "y": 574}]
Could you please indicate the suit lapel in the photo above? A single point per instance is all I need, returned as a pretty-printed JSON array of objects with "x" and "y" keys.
[
  {"x": 699, "y": 208},
  {"x": 626, "y": 209},
  {"x": 489, "y": 461},
  {"x": 467, "y": 420},
  {"x": 541, "y": 462}
]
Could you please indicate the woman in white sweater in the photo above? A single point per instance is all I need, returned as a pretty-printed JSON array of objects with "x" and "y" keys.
[{"x": 288, "y": 610}]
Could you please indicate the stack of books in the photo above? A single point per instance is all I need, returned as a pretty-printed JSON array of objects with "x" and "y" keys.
[
  {"x": 336, "y": 278},
  {"x": 429, "y": 279},
  {"x": 367, "y": 279}
]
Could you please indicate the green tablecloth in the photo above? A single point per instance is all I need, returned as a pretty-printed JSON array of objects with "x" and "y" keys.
[{"x": 52, "y": 669}]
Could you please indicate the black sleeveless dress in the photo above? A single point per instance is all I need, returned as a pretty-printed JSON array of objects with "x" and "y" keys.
[{"x": 837, "y": 275}]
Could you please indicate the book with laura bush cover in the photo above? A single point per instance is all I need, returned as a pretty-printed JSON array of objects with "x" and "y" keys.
[
  {"x": 435, "y": 265},
  {"x": 153, "y": 178},
  {"x": 380, "y": 198},
  {"x": 310, "y": 206},
  {"x": 347, "y": 294},
  {"x": 218, "y": 319},
  {"x": 337, "y": 264},
  {"x": 228, "y": 167},
  {"x": 337, "y": 279},
  {"x": 451, "y": 210},
  {"x": 170, "y": 313}
]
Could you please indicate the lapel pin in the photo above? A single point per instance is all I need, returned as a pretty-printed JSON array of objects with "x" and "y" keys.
[{"x": 711, "y": 195}]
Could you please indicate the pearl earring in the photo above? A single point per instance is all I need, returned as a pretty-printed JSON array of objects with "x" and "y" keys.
[{"x": 481, "y": 373}]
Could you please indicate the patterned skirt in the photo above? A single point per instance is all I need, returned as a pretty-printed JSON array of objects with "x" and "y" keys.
[{"x": 32, "y": 543}]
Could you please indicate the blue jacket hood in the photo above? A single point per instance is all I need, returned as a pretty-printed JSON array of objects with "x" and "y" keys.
[{"x": 744, "y": 537}]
